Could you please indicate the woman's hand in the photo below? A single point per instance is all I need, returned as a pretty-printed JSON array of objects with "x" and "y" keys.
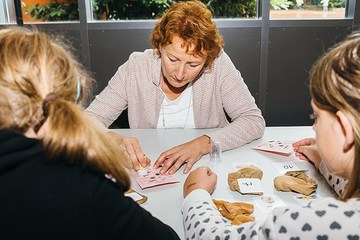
[
  {"x": 187, "y": 153},
  {"x": 200, "y": 178},
  {"x": 306, "y": 149},
  {"x": 132, "y": 150}
]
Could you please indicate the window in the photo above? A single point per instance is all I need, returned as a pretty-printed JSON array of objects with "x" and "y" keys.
[
  {"x": 152, "y": 9},
  {"x": 7, "y": 13},
  {"x": 49, "y": 10},
  {"x": 307, "y": 9},
  {"x": 68, "y": 10}
]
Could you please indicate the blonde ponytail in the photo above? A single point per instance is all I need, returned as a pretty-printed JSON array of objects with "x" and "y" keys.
[
  {"x": 34, "y": 65},
  {"x": 71, "y": 133}
]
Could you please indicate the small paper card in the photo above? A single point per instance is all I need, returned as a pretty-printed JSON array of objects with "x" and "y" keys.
[
  {"x": 267, "y": 203},
  {"x": 137, "y": 197},
  {"x": 305, "y": 200},
  {"x": 250, "y": 186},
  {"x": 134, "y": 195},
  {"x": 154, "y": 178},
  {"x": 283, "y": 148},
  {"x": 286, "y": 166}
]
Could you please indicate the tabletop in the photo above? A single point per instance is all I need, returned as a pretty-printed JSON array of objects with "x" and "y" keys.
[{"x": 165, "y": 202}]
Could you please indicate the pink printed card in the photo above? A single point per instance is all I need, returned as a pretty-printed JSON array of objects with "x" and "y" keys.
[
  {"x": 154, "y": 178},
  {"x": 283, "y": 148}
]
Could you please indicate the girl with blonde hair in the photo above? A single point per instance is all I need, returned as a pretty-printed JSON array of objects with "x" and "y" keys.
[{"x": 53, "y": 160}]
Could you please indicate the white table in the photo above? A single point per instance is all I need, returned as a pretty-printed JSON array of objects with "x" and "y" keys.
[{"x": 164, "y": 202}]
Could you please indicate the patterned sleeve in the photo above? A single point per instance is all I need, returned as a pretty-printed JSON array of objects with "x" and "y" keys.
[
  {"x": 337, "y": 219},
  {"x": 335, "y": 182},
  {"x": 202, "y": 220}
]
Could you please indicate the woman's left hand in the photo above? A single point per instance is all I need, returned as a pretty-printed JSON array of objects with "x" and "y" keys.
[{"x": 187, "y": 153}]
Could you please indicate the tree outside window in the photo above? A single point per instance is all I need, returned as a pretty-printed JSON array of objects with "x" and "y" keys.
[{"x": 67, "y": 10}]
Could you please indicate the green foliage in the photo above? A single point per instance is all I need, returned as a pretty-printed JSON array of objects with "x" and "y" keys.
[
  {"x": 337, "y": 3},
  {"x": 281, "y": 4},
  {"x": 312, "y": 2},
  {"x": 151, "y": 9},
  {"x": 332, "y": 3},
  {"x": 55, "y": 11},
  {"x": 232, "y": 8},
  {"x": 129, "y": 9}
]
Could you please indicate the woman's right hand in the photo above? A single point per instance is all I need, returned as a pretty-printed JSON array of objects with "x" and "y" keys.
[
  {"x": 200, "y": 178},
  {"x": 306, "y": 149},
  {"x": 132, "y": 150}
]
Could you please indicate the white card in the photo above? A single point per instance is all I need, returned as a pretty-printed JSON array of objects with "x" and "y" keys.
[
  {"x": 305, "y": 200},
  {"x": 134, "y": 195},
  {"x": 286, "y": 166},
  {"x": 268, "y": 203},
  {"x": 250, "y": 185}
]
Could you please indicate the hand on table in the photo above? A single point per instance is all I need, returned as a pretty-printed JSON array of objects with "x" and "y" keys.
[
  {"x": 306, "y": 149},
  {"x": 132, "y": 150},
  {"x": 187, "y": 153},
  {"x": 200, "y": 178}
]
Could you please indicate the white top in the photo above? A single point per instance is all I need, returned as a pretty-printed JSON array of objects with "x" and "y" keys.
[{"x": 178, "y": 113}]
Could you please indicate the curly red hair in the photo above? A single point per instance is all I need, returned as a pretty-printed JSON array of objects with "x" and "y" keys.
[{"x": 191, "y": 22}]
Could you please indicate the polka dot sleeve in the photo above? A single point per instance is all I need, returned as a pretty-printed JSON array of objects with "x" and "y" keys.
[
  {"x": 322, "y": 219},
  {"x": 202, "y": 220},
  {"x": 335, "y": 182}
]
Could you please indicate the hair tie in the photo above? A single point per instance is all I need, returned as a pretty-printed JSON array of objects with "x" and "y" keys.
[
  {"x": 50, "y": 97},
  {"x": 45, "y": 103}
]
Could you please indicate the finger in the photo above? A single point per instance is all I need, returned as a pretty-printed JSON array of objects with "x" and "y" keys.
[
  {"x": 129, "y": 164},
  {"x": 147, "y": 160},
  {"x": 140, "y": 156},
  {"x": 213, "y": 177},
  {"x": 301, "y": 156},
  {"x": 188, "y": 167},
  {"x": 144, "y": 161},
  {"x": 165, "y": 167},
  {"x": 161, "y": 159},
  {"x": 133, "y": 157},
  {"x": 158, "y": 162},
  {"x": 209, "y": 172},
  {"x": 178, "y": 162},
  {"x": 301, "y": 142},
  {"x": 303, "y": 150},
  {"x": 173, "y": 163}
]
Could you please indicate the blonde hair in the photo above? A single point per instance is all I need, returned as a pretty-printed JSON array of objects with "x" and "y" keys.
[
  {"x": 191, "y": 22},
  {"x": 335, "y": 85},
  {"x": 35, "y": 65}
]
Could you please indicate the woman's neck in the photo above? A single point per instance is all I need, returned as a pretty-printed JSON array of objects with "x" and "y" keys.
[{"x": 171, "y": 92}]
